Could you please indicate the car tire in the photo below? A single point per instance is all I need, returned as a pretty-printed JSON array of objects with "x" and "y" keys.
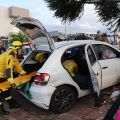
[{"x": 63, "y": 99}]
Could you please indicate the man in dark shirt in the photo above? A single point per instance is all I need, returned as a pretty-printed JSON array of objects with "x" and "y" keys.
[{"x": 2, "y": 49}]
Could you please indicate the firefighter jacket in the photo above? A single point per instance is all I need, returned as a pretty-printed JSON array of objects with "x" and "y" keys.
[{"x": 9, "y": 62}]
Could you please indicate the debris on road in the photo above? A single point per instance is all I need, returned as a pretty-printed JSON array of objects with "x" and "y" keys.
[{"x": 114, "y": 95}]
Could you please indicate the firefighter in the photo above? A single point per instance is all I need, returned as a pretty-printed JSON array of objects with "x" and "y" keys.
[
  {"x": 9, "y": 62},
  {"x": 40, "y": 57},
  {"x": 70, "y": 65}
]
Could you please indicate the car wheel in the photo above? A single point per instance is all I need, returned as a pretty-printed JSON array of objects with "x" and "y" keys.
[{"x": 63, "y": 99}]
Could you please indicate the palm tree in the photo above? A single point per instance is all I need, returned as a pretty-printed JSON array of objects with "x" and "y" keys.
[
  {"x": 70, "y": 10},
  {"x": 109, "y": 12}
]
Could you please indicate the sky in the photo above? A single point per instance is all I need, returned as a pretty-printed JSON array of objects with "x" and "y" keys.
[{"x": 88, "y": 23}]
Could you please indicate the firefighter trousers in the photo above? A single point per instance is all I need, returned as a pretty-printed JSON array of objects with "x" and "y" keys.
[{"x": 6, "y": 95}]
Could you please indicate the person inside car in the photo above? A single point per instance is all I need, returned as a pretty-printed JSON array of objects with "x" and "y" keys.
[
  {"x": 40, "y": 57},
  {"x": 70, "y": 65}
]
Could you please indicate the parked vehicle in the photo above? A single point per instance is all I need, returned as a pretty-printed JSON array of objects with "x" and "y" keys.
[{"x": 54, "y": 87}]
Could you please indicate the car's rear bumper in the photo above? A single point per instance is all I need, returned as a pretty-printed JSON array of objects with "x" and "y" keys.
[{"x": 41, "y": 95}]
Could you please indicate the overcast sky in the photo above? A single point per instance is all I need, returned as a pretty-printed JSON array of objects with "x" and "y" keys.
[{"x": 89, "y": 23}]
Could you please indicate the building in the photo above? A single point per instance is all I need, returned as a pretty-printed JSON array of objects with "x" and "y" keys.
[{"x": 7, "y": 14}]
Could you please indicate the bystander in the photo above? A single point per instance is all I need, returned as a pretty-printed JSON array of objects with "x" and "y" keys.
[
  {"x": 104, "y": 38},
  {"x": 2, "y": 49}
]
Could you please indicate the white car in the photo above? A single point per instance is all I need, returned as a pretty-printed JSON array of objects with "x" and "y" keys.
[{"x": 53, "y": 86}]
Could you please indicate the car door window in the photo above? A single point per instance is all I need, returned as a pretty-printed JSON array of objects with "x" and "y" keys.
[
  {"x": 104, "y": 52},
  {"x": 91, "y": 56}
]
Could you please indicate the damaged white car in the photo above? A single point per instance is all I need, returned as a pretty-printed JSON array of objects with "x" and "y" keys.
[{"x": 53, "y": 86}]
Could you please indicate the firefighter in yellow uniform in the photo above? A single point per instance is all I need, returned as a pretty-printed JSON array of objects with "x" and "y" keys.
[
  {"x": 40, "y": 57},
  {"x": 71, "y": 66},
  {"x": 9, "y": 62}
]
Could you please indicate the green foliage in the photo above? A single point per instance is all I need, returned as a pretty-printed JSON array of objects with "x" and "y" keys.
[
  {"x": 19, "y": 37},
  {"x": 109, "y": 13},
  {"x": 70, "y": 10},
  {"x": 66, "y": 9}
]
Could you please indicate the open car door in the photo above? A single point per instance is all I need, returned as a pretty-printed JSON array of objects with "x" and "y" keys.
[
  {"x": 94, "y": 68},
  {"x": 35, "y": 32}
]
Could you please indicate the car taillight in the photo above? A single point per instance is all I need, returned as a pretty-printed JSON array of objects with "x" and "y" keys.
[{"x": 42, "y": 78}]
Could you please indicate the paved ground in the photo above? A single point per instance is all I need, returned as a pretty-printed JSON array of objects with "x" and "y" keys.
[{"x": 83, "y": 110}]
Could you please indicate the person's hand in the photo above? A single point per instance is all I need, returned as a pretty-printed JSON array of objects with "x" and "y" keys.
[
  {"x": 23, "y": 73},
  {"x": 13, "y": 86},
  {"x": 11, "y": 81}
]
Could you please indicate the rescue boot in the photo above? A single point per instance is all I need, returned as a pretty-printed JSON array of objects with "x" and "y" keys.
[
  {"x": 14, "y": 104},
  {"x": 3, "y": 111}
]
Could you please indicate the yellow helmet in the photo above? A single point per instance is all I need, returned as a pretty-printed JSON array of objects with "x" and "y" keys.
[
  {"x": 40, "y": 57},
  {"x": 16, "y": 45}
]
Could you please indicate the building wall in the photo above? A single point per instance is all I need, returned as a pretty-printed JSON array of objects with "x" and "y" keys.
[
  {"x": 7, "y": 15},
  {"x": 16, "y": 11},
  {"x": 4, "y": 21}
]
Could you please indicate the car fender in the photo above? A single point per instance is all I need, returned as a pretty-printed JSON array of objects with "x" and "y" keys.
[{"x": 60, "y": 80}]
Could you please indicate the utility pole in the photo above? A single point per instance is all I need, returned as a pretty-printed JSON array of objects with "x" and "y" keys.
[
  {"x": 119, "y": 36},
  {"x": 65, "y": 29}
]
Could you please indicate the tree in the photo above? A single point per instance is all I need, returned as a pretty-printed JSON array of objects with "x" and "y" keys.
[
  {"x": 109, "y": 12},
  {"x": 70, "y": 10},
  {"x": 19, "y": 36}
]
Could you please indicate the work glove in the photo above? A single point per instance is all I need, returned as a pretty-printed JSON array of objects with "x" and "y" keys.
[
  {"x": 23, "y": 73},
  {"x": 13, "y": 86},
  {"x": 12, "y": 83}
]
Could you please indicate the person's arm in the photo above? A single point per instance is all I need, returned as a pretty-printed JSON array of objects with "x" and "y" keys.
[{"x": 18, "y": 67}]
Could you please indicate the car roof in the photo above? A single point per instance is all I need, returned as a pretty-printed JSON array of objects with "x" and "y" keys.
[
  {"x": 70, "y": 42},
  {"x": 65, "y": 43}
]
